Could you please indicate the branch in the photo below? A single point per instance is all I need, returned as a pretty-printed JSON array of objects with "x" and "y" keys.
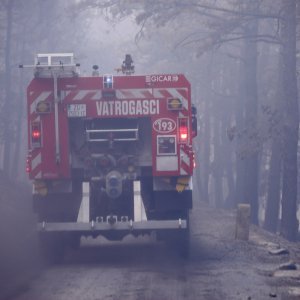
[
  {"x": 139, "y": 35},
  {"x": 257, "y": 38},
  {"x": 238, "y": 13},
  {"x": 184, "y": 40}
]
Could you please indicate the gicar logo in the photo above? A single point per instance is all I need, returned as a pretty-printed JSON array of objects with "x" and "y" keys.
[{"x": 162, "y": 78}]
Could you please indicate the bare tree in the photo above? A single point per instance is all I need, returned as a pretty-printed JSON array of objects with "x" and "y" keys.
[
  {"x": 9, "y": 5},
  {"x": 289, "y": 224},
  {"x": 251, "y": 104}
]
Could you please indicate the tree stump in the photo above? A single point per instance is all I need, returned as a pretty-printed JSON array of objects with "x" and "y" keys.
[{"x": 242, "y": 222}]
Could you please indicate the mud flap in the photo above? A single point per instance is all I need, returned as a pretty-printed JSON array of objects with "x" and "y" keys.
[
  {"x": 139, "y": 208},
  {"x": 84, "y": 210}
]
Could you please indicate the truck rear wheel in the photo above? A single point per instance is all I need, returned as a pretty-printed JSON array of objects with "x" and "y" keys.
[
  {"x": 52, "y": 247},
  {"x": 178, "y": 240},
  {"x": 183, "y": 243}
]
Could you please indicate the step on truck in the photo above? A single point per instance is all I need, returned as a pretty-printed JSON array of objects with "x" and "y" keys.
[{"x": 108, "y": 155}]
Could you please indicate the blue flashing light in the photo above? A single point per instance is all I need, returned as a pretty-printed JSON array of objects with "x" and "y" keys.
[{"x": 108, "y": 81}]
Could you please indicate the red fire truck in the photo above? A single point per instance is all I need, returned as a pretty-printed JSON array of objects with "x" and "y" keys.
[{"x": 109, "y": 155}]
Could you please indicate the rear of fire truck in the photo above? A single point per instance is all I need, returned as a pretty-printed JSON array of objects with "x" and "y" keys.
[{"x": 108, "y": 155}]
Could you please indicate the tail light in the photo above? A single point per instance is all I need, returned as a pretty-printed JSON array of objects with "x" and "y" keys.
[
  {"x": 183, "y": 130},
  {"x": 28, "y": 165},
  {"x": 194, "y": 161},
  {"x": 36, "y": 135}
]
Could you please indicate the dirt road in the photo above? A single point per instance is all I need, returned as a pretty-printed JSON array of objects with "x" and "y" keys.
[{"x": 219, "y": 268}]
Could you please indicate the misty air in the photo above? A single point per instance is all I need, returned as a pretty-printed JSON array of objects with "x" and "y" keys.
[{"x": 149, "y": 149}]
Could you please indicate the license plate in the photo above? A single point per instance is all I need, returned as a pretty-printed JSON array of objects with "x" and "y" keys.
[{"x": 76, "y": 110}]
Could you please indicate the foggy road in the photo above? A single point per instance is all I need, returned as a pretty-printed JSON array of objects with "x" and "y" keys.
[
  {"x": 219, "y": 268},
  {"x": 218, "y": 100}
]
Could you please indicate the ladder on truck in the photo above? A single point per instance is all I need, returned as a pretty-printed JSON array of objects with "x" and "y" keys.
[
  {"x": 50, "y": 65},
  {"x": 55, "y": 65}
]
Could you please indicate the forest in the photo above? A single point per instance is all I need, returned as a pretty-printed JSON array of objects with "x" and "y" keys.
[{"x": 241, "y": 57}]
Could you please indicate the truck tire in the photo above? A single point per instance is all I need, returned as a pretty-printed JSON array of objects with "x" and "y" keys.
[
  {"x": 185, "y": 239},
  {"x": 73, "y": 241},
  {"x": 180, "y": 240},
  {"x": 183, "y": 244},
  {"x": 52, "y": 248}
]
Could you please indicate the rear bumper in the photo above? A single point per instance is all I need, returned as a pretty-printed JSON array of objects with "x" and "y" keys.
[{"x": 101, "y": 227}]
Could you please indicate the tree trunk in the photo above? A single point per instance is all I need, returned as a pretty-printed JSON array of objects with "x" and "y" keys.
[
  {"x": 251, "y": 157},
  {"x": 227, "y": 159},
  {"x": 289, "y": 224},
  {"x": 275, "y": 171},
  {"x": 240, "y": 124},
  {"x": 205, "y": 136},
  {"x": 274, "y": 186},
  {"x": 7, "y": 105},
  {"x": 217, "y": 167},
  {"x": 206, "y": 151},
  {"x": 19, "y": 122},
  {"x": 240, "y": 139}
]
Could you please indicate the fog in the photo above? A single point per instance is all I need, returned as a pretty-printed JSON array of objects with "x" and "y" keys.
[{"x": 241, "y": 58}]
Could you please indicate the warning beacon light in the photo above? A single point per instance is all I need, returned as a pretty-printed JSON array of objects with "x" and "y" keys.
[
  {"x": 127, "y": 66},
  {"x": 95, "y": 70},
  {"x": 108, "y": 81}
]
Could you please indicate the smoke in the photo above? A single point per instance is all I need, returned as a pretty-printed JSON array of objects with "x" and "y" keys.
[{"x": 18, "y": 244}]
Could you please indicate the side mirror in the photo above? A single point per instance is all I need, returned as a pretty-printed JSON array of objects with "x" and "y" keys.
[{"x": 194, "y": 121}]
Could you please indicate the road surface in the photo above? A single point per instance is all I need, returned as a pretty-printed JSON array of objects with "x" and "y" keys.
[{"x": 220, "y": 267}]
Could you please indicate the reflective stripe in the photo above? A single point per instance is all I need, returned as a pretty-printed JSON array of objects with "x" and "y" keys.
[
  {"x": 184, "y": 162},
  {"x": 35, "y": 162},
  {"x": 38, "y": 175},
  {"x": 97, "y": 96},
  {"x": 184, "y": 157},
  {"x": 37, "y": 119},
  {"x": 175, "y": 93},
  {"x": 64, "y": 94},
  {"x": 134, "y": 94},
  {"x": 183, "y": 172},
  {"x": 80, "y": 95}
]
